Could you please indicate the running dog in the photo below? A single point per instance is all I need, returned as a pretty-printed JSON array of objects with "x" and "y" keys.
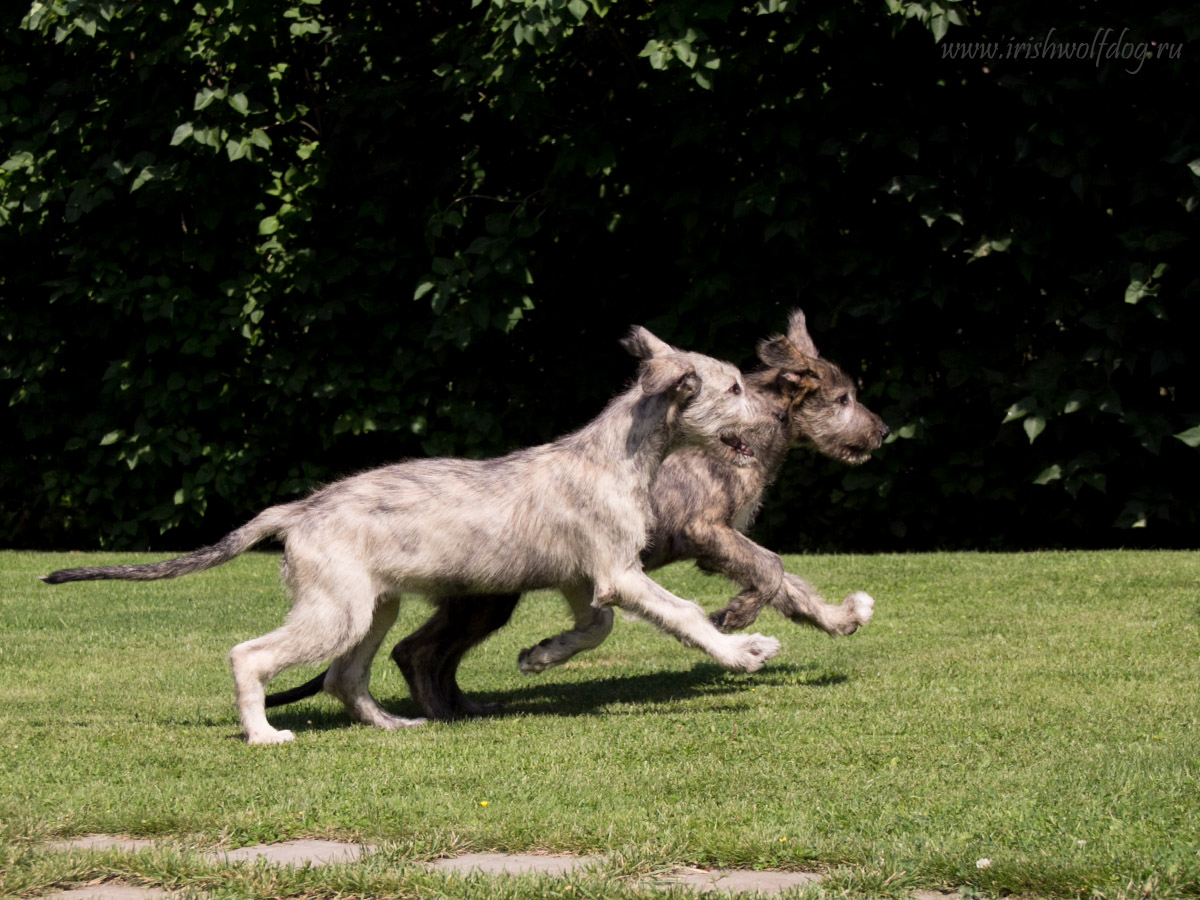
[{"x": 573, "y": 514}]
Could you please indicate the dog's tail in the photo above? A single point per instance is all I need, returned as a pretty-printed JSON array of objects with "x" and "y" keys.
[
  {"x": 271, "y": 522},
  {"x": 313, "y": 686}
]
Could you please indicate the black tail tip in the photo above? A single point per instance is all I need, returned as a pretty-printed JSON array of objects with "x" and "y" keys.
[{"x": 53, "y": 578}]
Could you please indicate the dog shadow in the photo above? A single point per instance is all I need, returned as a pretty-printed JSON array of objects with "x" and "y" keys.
[
  {"x": 606, "y": 696},
  {"x": 628, "y": 694}
]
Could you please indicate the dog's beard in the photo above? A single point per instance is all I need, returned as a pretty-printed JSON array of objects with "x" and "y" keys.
[
  {"x": 850, "y": 454},
  {"x": 855, "y": 456}
]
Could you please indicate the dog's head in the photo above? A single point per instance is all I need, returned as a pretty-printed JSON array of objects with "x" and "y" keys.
[
  {"x": 709, "y": 404},
  {"x": 815, "y": 401}
]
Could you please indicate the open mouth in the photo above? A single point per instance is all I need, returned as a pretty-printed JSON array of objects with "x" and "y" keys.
[{"x": 739, "y": 446}]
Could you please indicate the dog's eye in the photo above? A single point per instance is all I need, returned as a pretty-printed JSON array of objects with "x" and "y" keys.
[
  {"x": 844, "y": 399},
  {"x": 736, "y": 389}
]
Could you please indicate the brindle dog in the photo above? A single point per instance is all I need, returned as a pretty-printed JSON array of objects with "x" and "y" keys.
[{"x": 701, "y": 505}]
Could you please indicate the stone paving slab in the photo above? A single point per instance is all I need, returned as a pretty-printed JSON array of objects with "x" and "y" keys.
[
  {"x": 738, "y": 881},
  {"x": 317, "y": 853},
  {"x": 296, "y": 853},
  {"x": 110, "y": 892},
  {"x": 511, "y": 864}
]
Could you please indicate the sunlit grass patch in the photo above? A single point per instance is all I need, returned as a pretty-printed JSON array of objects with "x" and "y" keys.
[{"x": 1036, "y": 711}]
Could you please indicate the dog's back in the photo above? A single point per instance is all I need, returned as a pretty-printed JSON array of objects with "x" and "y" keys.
[{"x": 459, "y": 526}]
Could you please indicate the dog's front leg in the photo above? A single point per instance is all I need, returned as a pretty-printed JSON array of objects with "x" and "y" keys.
[
  {"x": 799, "y": 602},
  {"x": 636, "y": 592},
  {"x": 758, "y": 571}
]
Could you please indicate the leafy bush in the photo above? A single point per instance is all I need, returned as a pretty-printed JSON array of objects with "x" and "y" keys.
[{"x": 252, "y": 249}]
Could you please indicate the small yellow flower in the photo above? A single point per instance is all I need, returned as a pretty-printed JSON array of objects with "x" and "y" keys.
[
  {"x": 783, "y": 840},
  {"x": 483, "y": 803}
]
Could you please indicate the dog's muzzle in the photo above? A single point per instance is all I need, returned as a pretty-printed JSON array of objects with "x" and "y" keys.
[{"x": 738, "y": 445}]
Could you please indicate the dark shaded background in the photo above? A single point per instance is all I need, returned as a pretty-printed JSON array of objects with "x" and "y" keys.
[{"x": 246, "y": 252}]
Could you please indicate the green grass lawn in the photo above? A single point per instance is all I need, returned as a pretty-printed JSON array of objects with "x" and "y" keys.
[{"x": 1040, "y": 711}]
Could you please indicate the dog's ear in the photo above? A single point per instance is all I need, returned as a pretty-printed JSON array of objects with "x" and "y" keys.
[
  {"x": 797, "y": 385},
  {"x": 685, "y": 388},
  {"x": 797, "y": 333},
  {"x": 678, "y": 379},
  {"x": 780, "y": 353},
  {"x": 644, "y": 345},
  {"x": 793, "y": 351}
]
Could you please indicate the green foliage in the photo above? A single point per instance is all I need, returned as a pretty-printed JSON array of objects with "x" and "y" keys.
[{"x": 261, "y": 247}]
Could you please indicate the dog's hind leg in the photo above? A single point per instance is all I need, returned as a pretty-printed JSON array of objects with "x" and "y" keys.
[
  {"x": 349, "y": 677},
  {"x": 331, "y": 616},
  {"x": 430, "y": 656},
  {"x": 799, "y": 602},
  {"x": 483, "y": 621},
  {"x": 419, "y": 655},
  {"x": 592, "y": 625}
]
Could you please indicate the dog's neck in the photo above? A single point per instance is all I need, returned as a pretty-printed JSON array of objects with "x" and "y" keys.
[
  {"x": 635, "y": 431},
  {"x": 772, "y": 449}
]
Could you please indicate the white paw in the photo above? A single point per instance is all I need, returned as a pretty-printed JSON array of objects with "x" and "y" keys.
[
  {"x": 755, "y": 650},
  {"x": 863, "y": 605},
  {"x": 270, "y": 736}
]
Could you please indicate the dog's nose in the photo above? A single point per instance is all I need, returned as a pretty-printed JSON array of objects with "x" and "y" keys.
[{"x": 884, "y": 431}]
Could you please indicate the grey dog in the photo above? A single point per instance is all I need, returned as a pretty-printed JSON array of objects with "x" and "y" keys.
[
  {"x": 702, "y": 505},
  {"x": 573, "y": 514}
]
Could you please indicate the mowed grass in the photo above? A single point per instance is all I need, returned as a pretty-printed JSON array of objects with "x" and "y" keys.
[{"x": 1039, "y": 711}]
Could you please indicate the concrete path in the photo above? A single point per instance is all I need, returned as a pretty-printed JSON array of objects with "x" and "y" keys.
[
  {"x": 514, "y": 864},
  {"x": 318, "y": 853},
  {"x": 111, "y": 892},
  {"x": 297, "y": 853},
  {"x": 738, "y": 881}
]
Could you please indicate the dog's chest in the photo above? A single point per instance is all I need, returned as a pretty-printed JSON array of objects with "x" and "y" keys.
[{"x": 748, "y": 490}]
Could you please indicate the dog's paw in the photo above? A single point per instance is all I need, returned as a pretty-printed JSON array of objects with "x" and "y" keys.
[
  {"x": 537, "y": 658},
  {"x": 468, "y": 708},
  {"x": 388, "y": 722},
  {"x": 733, "y": 618},
  {"x": 861, "y": 606},
  {"x": 856, "y": 610},
  {"x": 752, "y": 651},
  {"x": 270, "y": 736}
]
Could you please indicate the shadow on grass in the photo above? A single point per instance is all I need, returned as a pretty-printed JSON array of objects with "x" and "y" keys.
[
  {"x": 607, "y": 696},
  {"x": 623, "y": 694}
]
